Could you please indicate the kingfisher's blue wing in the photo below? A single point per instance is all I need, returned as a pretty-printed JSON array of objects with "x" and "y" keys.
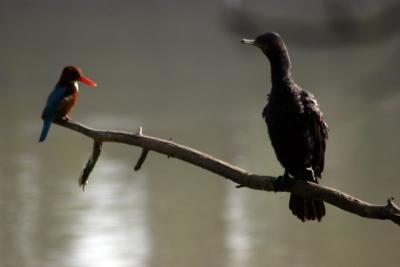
[{"x": 53, "y": 101}]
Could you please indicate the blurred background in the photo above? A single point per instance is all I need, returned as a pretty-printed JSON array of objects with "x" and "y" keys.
[{"x": 178, "y": 68}]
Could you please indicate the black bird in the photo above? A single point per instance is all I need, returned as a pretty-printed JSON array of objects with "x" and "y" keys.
[{"x": 295, "y": 126}]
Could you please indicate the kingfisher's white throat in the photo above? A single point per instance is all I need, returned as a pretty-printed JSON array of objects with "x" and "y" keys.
[{"x": 76, "y": 86}]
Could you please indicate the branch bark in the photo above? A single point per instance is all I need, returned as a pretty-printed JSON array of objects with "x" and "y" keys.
[{"x": 242, "y": 177}]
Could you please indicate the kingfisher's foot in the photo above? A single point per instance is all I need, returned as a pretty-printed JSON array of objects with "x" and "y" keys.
[
  {"x": 66, "y": 118},
  {"x": 282, "y": 183}
]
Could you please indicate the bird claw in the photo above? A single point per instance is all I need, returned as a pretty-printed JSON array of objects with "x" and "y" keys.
[
  {"x": 280, "y": 184},
  {"x": 66, "y": 118},
  {"x": 283, "y": 182}
]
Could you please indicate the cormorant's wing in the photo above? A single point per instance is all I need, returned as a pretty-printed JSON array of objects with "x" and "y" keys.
[{"x": 318, "y": 129}]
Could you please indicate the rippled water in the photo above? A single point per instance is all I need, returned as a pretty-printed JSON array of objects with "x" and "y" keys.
[{"x": 176, "y": 70}]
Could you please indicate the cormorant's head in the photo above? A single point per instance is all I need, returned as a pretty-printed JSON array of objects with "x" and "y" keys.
[
  {"x": 71, "y": 74},
  {"x": 274, "y": 48},
  {"x": 270, "y": 43}
]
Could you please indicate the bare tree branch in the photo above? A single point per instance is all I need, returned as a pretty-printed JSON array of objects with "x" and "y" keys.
[{"x": 242, "y": 177}]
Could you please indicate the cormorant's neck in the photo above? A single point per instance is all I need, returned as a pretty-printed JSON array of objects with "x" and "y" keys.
[{"x": 280, "y": 68}]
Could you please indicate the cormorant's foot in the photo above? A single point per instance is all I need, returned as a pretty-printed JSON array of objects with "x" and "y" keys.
[
  {"x": 279, "y": 184},
  {"x": 282, "y": 183}
]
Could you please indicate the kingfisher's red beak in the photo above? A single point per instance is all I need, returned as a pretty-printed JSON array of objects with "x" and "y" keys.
[{"x": 87, "y": 81}]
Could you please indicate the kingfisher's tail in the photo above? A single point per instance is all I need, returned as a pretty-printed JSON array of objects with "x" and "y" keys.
[{"x": 45, "y": 129}]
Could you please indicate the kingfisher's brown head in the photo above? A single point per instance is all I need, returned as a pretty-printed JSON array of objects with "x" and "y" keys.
[{"x": 72, "y": 74}]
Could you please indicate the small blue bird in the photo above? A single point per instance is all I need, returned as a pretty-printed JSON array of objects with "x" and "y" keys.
[{"x": 63, "y": 97}]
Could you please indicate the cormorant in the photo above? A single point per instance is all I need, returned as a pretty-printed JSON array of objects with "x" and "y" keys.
[{"x": 295, "y": 125}]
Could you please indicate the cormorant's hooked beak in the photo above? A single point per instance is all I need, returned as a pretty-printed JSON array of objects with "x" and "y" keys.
[
  {"x": 87, "y": 81},
  {"x": 249, "y": 41}
]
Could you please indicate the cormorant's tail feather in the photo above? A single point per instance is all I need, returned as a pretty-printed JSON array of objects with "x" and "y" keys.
[
  {"x": 45, "y": 129},
  {"x": 306, "y": 209}
]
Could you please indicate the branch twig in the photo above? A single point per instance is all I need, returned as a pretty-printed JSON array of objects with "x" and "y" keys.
[
  {"x": 84, "y": 177},
  {"x": 141, "y": 159},
  {"x": 144, "y": 153},
  {"x": 242, "y": 177}
]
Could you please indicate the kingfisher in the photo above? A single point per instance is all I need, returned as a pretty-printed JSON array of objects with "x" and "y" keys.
[
  {"x": 295, "y": 124},
  {"x": 63, "y": 97}
]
